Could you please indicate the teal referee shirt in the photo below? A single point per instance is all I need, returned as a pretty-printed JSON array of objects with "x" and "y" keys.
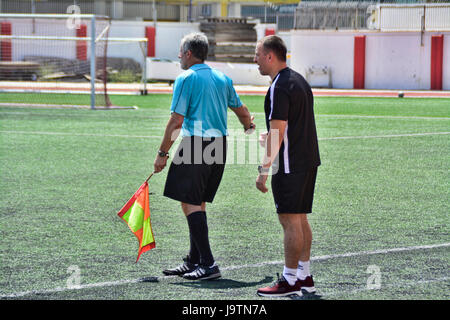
[{"x": 202, "y": 95}]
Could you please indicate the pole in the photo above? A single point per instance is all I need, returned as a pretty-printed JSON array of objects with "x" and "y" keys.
[
  {"x": 151, "y": 174},
  {"x": 93, "y": 62},
  {"x": 144, "y": 72}
]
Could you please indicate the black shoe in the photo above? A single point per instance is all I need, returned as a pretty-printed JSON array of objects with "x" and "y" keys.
[
  {"x": 204, "y": 273},
  {"x": 186, "y": 267}
]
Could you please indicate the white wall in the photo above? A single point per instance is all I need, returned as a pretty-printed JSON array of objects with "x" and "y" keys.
[
  {"x": 394, "y": 60},
  {"x": 168, "y": 37},
  {"x": 331, "y": 49},
  {"x": 446, "y": 63}
]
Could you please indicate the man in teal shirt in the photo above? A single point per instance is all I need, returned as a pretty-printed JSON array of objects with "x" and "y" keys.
[{"x": 199, "y": 107}]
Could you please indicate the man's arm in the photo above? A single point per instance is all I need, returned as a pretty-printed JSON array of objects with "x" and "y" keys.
[
  {"x": 244, "y": 116},
  {"x": 273, "y": 144},
  {"x": 170, "y": 135}
]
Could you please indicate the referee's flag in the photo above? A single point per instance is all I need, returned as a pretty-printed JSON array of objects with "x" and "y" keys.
[{"x": 136, "y": 213}]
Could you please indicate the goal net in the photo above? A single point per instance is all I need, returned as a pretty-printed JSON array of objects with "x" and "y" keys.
[{"x": 54, "y": 60}]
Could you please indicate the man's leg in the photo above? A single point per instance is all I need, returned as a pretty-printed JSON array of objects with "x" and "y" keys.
[
  {"x": 194, "y": 253},
  {"x": 297, "y": 238},
  {"x": 191, "y": 208},
  {"x": 307, "y": 238},
  {"x": 293, "y": 249},
  {"x": 198, "y": 230},
  {"x": 297, "y": 245}
]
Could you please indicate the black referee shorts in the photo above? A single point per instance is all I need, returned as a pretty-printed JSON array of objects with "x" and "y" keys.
[
  {"x": 294, "y": 192},
  {"x": 196, "y": 170}
]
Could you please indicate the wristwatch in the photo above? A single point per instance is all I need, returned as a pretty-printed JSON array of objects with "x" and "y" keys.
[
  {"x": 163, "y": 154},
  {"x": 263, "y": 170},
  {"x": 250, "y": 129}
]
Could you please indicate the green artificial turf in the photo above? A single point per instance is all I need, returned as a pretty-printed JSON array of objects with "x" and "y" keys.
[{"x": 384, "y": 183}]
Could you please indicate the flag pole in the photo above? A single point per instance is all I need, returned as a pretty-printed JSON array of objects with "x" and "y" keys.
[{"x": 151, "y": 174}]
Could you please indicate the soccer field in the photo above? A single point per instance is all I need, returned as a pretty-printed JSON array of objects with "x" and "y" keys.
[{"x": 380, "y": 221}]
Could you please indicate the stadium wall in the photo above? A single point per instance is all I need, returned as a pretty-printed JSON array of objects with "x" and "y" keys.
[
  {"x": 167, "y": 37},
  {"x": 392, "y": 60}
]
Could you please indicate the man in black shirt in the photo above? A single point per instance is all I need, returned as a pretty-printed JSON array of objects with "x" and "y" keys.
[{"x": 293, "y": 154}]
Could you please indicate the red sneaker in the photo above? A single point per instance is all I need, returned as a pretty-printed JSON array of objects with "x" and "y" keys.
[
  {"x": 307, "y": 284},
  {"x": 281, "y": 288}
]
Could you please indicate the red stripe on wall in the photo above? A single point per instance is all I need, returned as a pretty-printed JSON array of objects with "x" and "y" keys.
[
  {"x": 6, "y": 46},
  {"x": 437, "y": 53},
  {"x": 81, "y": 46},
  {"x": 150, "y": 34},
  {"x": 359, "y": 62}
]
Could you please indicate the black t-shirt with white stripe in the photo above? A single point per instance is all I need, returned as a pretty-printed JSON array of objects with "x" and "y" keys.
[{"x": 290, "y": 98}]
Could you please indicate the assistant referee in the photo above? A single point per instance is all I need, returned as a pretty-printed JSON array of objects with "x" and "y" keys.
[
  {"x": 200, "y": 101},
  {"x": 293, "y": 154}
]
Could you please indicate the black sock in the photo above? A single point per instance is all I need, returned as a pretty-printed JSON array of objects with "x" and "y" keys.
[
  {"x": 194, "y": 254},
  {"x": 198, "y": 230}
]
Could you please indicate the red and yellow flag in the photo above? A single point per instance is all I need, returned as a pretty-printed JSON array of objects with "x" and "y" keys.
[{"x": 136, "y": 213}]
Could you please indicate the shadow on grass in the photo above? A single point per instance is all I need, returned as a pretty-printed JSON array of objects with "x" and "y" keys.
[
  {"x": 306, "y": 296},
  {"x": 233, "y": 284},
  {"x": 223, "y": 283}
]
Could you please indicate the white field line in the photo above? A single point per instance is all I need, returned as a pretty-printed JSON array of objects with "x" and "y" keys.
[
  {"x": 74, "y": 134},
  {"x": 89, "y": 114},
  {"x": 167, "y": 115},
  {"x": 386, "y": 136},
  {"x": 230, "y": 268},
  {"x": 354, "y": 116},
  {"x": 238, "y": 139},
  {"x": 357, "y": 116}
]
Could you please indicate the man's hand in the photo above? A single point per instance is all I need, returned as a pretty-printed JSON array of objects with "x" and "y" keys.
[
  {"x": 261, "y": 183},
  {"x": 251, "y": 128},
  {"x": 263, "y": 138},
  {"x": 159, "y": 164}
]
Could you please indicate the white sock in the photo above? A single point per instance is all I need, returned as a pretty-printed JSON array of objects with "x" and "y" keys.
[
  {"x": 303, "y": 270},
  {"x": 290, "y": 275}
]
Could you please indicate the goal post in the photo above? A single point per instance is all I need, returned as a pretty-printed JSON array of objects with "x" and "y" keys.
[{"x": 59, "y": 60}]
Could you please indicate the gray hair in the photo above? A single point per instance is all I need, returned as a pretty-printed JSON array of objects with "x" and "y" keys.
[{"x": 197, "y": 43}]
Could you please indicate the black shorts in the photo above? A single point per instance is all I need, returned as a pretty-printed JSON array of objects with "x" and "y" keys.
[
  {"x": 294, "y": 192},
  {"x": 196, "y": 170}
]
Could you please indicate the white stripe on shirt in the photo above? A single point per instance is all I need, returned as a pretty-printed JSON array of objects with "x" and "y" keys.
[
  {"x": 286, "y": 150},
  {"x": 272, "y": 89}
]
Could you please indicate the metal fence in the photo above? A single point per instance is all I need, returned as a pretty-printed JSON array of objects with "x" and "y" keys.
[
  {"x": 307, "y": 14},
  {"x": 127, "y": 10},
  {"x": 350, "y": 14}
]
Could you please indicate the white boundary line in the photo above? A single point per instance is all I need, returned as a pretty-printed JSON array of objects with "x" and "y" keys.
[
  {"x": 387, "y": 136},
  {"x": 74, "y": 134},
  {"x": 257, "y": 265},
  {"x": 342, "y": 116},
  {"x": 362, "y": 116},
  {"x": 243, "y": 139}
]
